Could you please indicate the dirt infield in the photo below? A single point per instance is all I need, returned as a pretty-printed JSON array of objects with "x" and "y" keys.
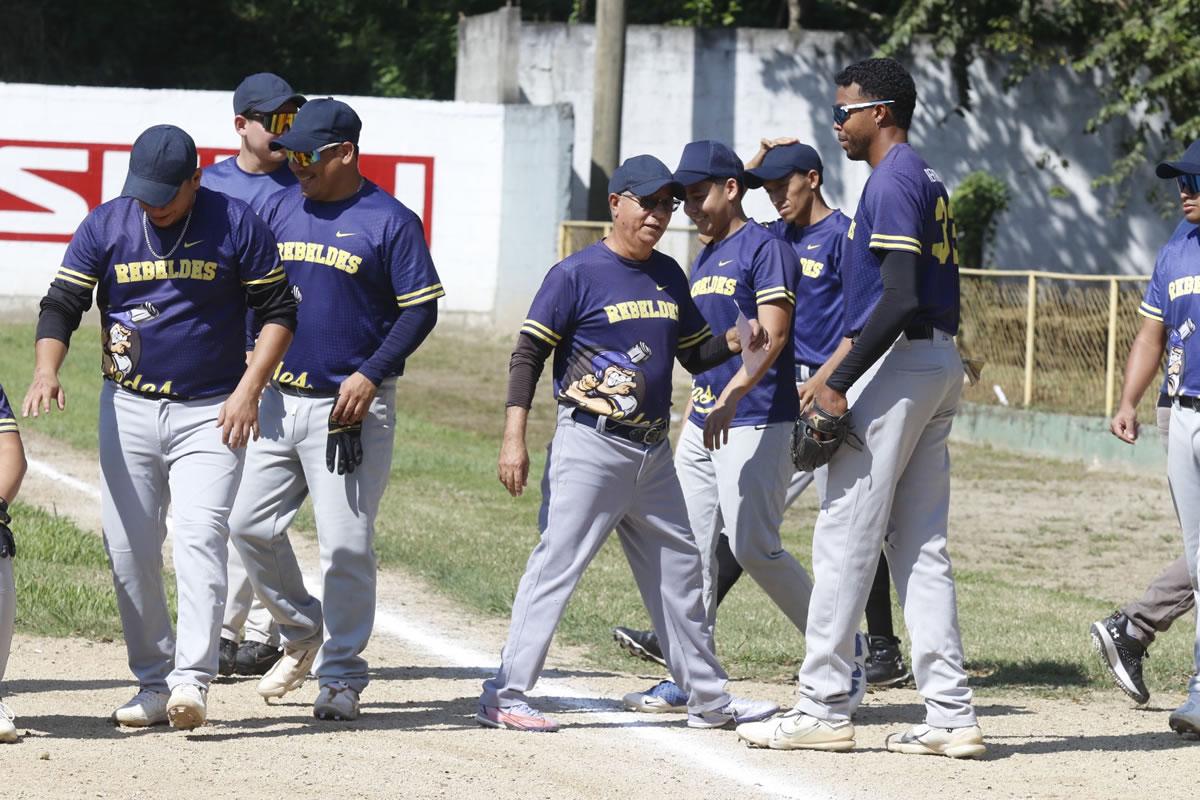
[{"x": 416, "y": 737}]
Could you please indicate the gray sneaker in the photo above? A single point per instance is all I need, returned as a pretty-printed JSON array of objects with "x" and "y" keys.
[
  {"x": 1185, "y": 720},
  {"x": 737, "y": 711}
]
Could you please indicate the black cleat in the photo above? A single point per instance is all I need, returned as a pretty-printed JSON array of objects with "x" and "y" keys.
[
  {"x": 1122, "y": 654},
  {"x": 885, "y": 664},
  {"x": 643, "y": 644},
  {"x": 256, "y": 658},
  {"x": 226, "y": 656}
]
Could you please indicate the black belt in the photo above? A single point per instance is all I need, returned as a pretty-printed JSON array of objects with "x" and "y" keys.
[
  {"x": 926, "y": 331},
  {"x": 297, "y": 391},
  {"x": 1188, "y": 402},
  {"x": 637, "y": 434}
]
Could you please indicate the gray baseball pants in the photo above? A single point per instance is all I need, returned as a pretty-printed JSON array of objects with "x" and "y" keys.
[
  {"x": 285, "y": 466},
  {"x": 741, "y": 489},
  {"x": 893, "y": 491},
  {"x": 246, "y": 618},
  {"x": 593, "y": 483},
  {"x": 1169, "y": 596},
  {"x": 155, "y": 453},
  {"x": 8, "y": 610},
  {"x": 1183, "y": 474}
]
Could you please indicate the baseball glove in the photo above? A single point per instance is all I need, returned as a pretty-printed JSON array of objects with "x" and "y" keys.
[
  {"x": 816, "y": 437},
  {"x": 343, "y": 448}
]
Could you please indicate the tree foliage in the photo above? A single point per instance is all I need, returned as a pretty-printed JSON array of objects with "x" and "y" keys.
[{"x": 978, "y": 200}]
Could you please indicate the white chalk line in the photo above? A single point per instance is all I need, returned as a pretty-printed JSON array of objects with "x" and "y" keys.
[{"x": 689, "y": 753}]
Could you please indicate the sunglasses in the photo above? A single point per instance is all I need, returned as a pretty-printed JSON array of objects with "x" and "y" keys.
[
  {"x": 842, "y": 113},
  {"x": 276, "y": 122},
  {"x": 1188, "y": 184},
  {"x": 305, "y": 158},
  {"x": 667, "y": 204}
]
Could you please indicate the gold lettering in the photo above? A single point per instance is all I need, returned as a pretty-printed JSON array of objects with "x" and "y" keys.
[
  {"x": 210, "y": 270},
  {"x": 613, "y": 314},
  {"x": 343, "y": 260},
  {"x": 122, "y": 271},
  {"x": 312, "y": 251},
  {"x": 354, "y": 262},
  {"x": 160, "y": 270}
]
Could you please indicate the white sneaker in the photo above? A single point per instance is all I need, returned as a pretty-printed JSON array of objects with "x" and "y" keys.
[
  {"x": 796, "y": 730},
  {"x": 336, "y": 701},
  {"x": 928, "y": 741},
  {"x": 146, "y": 708},
  {"x": 187, "y": 708},
  {"x": 736, "y": 711},
  {"x": 8, "y": 731},
  {"x": 289, "y": 673}
]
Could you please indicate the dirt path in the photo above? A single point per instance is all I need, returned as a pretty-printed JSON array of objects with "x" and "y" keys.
[{"x": 416, "y": 737}]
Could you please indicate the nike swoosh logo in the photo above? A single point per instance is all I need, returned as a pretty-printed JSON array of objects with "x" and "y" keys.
[
  {"x": 723, "y": 263},
  {"x": 812, "y": 247},
  {"x": 186, "y": 245},
  {"x": 341, "y": 235},
  {"x": 660, "y": 288}
]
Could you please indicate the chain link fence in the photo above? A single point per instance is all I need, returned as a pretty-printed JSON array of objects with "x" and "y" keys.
[{"x": 1048, "y": 340}]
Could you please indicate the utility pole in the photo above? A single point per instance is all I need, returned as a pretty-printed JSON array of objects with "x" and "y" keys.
[{"x": 606, "y": 104}]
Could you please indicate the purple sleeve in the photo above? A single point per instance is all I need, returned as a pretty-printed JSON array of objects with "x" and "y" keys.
[
  {"x": 8, "y": 420},
  {"x": 776, "y": 272},
  {"x": 414, "y": 278},
  {"x": 894, "y": 208},
  {"x": 693, "y": 329},
  {"x": 257, "y": 253},
  {"x": 552, "y": 313},
  {"x": 1153, "y": 303}
]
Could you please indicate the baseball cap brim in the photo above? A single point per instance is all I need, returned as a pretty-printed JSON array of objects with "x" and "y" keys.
[
  {"x": 152, "y": 193},
  {"x": 1173, "y": 169},
  {"x": 302, "y": 141},
  {"x": 272, "y": 103},
  {"x": 757, "y": 176},
  {"x": 647, "y": 188}
]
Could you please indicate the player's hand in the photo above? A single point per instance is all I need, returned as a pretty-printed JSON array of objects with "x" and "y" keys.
[
  {"x": 44, "y": 391},
  {"x": 513, "y": 466},
  {"x": 833, "y": 401},
  {"x": 808, "y": 392},
  {"x": 733, "y": 340},
  {"x": 760, "y": 337},
  {"x": 238, "y": 419},
  {"x": 1124, "y": 425},
  {"x": 770, "y": 144},
  {"x": 354, "y": 399},
  {"x": 716, "y": 424}
]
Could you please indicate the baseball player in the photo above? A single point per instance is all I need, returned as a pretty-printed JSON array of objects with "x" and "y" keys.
[
  {"x": 12, "y": 472},
  {"x": 174, "y": 267},
  {"x": 264, "y": 106},
  {"x": 616, "y": 314},
  {"x": 360, "y": 266},
  {"x": 1170, "y": 310},
  {"x": 890, "y": 488}
]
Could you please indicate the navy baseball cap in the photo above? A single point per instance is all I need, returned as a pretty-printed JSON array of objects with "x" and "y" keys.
[
  {"x": 264, "y": 91},
  {"x": 1188, "y": 165},
  {"x": 318, "y": 123},
  {"x": 642, "y": 175},
  {"x": 779, "y": 162},
  {"x": 707, "y": 159},
  {"x": 163, "y": 157}
]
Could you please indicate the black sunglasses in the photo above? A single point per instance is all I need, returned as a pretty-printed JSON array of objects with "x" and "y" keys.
[
  {"x": 1188, "y": 183},
  {"x": 667, "y": 204}
]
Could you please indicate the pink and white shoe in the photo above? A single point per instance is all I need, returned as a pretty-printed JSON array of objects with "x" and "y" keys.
[{"x": 519, "y": 717}]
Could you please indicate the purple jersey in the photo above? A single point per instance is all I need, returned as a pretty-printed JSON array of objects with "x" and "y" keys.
[
  {"x": 1173, "y": 298},
  {"x": 615, "y": 326},
  {"x": 228, "y": 178},
  {"x": 819, "y": 304},
  {"x": 904, "y": 206},
  {"x": 172, "y": 327},
  {"x": 737, "y": 273},
  {"x": 354, "y": 264},
  {"x": 8, "y": 420}
]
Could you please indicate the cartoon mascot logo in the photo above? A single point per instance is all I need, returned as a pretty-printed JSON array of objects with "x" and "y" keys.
[
  {"x": 122, "y": 342},
  {"x": 1175, "y": 355},
  {"x": 611, "y": 383}
]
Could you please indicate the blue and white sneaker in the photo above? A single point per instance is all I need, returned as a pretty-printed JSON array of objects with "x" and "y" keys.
[
  {"x": 662, "y": 698},
  {"x": 1185, "y": 720}
]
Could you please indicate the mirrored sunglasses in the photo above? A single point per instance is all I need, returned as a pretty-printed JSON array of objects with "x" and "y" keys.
[{"x": 303, "y": 158}]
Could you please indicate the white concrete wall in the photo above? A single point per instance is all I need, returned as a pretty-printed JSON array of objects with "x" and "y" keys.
[
  {"x": 739, "y": 85},
  {"x": 463, "y": 167}
]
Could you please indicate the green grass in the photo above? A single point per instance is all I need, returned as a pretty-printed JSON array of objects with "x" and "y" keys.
[
  {"x": 64, "y": 586},
  {"x": 1024, "y": 615}
]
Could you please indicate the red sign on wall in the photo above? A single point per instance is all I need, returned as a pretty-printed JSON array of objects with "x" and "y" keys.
[{"x": 47, "y": 188}]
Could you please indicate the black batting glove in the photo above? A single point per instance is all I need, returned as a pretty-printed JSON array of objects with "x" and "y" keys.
[
  {"x": 343, "y": 448},
  {"x": 8, "y": 545}
]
